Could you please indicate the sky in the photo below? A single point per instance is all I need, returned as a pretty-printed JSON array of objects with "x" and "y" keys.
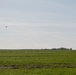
[{"x": 37, "y": 24}]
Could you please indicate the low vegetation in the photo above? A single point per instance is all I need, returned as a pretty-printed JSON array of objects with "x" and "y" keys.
[{"x": 37, "y": 62}]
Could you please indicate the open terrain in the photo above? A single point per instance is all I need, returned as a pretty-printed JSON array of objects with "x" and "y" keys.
[{"x": 37, "y": 62}]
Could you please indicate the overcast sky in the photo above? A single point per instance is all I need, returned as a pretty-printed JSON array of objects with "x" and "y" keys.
[{"x": 37, "y": 24}]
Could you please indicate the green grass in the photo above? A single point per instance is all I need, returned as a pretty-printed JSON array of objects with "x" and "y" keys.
[
  {"x": 37, "y": 57},
  {"x": 38, "y": 62},
  {"x": 55, "y": 71}
]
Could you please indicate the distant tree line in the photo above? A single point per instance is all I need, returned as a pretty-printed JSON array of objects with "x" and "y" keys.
[{"x": 62, "y": 48}]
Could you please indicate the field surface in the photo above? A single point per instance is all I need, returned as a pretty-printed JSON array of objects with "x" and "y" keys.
[{"x": 37, "y": 62}]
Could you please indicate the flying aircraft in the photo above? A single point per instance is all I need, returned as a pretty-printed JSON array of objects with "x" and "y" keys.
[{"x": 5, "y": 26}]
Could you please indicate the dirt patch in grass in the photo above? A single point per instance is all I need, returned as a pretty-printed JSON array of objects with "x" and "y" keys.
[{"x": 30, "y": 66}]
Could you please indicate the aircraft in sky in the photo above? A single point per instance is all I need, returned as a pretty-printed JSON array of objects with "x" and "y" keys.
[{"x": 5, "y": 26}]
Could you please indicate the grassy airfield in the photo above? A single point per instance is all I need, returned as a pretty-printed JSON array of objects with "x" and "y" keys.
[{"x": 37, "y": 62}]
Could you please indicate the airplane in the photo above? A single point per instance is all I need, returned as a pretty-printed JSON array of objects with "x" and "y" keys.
[{"x": 5, "y": 26}]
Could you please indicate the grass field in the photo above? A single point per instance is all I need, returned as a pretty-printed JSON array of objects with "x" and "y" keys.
[{"x": 37, "y": 62}]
